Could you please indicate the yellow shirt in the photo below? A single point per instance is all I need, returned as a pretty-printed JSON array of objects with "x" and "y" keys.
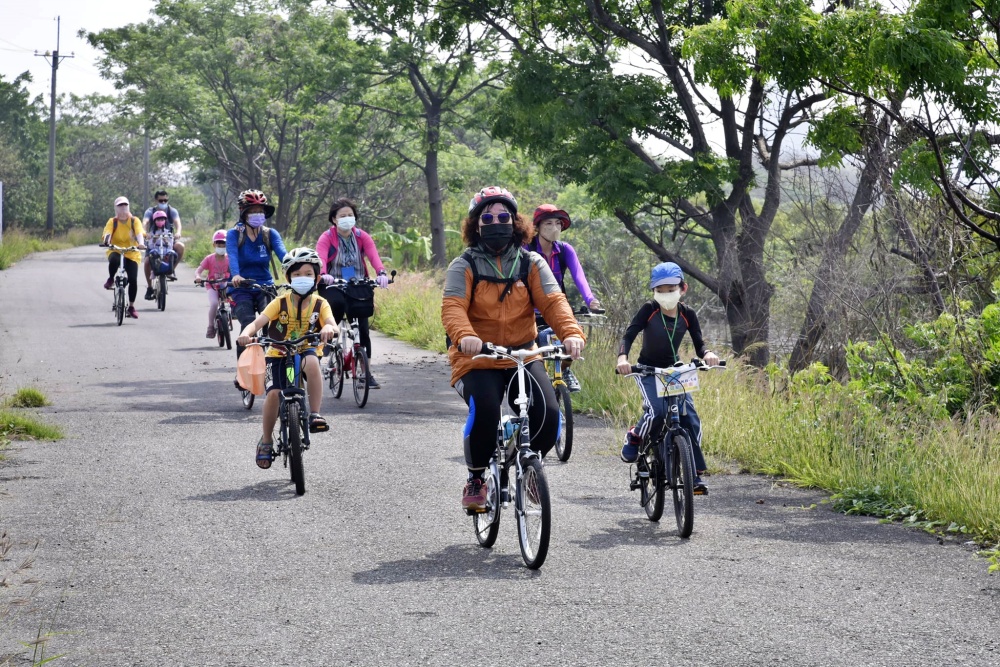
[
  {"x": 128, "y": 233},
  {"x": 288, "y": 323}
]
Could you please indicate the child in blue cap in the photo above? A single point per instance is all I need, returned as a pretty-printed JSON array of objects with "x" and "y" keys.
[{"x": 663, "y": 323}]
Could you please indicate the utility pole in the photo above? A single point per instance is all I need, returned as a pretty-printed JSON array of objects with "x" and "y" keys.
[
  {"x": 50, "y": 218},
  {"x": 145, "y": 169}
]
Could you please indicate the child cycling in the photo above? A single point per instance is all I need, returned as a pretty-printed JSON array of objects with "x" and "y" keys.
[
  {"x": 215, "y": 267},
  {"x": 160, "y": 244},
  {"x": 292, "y": 315},
  {"x": 663, "y": 323}
]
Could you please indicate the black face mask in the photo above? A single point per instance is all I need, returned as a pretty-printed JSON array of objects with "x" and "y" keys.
[{"x": 496, "y": 237}]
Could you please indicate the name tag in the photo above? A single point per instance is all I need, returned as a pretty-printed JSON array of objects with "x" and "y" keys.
[
  {"x": 677, "y": 384},
  {"x": 347, "y": 272}
]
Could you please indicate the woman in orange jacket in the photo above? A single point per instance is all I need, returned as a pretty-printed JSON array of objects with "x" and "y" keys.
[{"x": 491, "y": 293}]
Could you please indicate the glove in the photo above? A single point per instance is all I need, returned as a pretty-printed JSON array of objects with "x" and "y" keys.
[
  {"x": 382, "y": 280},
  {"x": 327, "y": 279}
]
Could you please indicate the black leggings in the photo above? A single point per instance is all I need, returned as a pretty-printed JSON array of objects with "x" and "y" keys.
[
  {"x": 483, "y": 390},
  {"x": 131, "y": 270},
  {"x": 248, "y": 305},
  {"x": 338, "y": 307}
]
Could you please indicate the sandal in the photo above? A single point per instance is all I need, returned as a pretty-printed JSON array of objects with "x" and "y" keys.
[
  {"x": 317, "y": 424},
  {"x": 265, "y": 454}
]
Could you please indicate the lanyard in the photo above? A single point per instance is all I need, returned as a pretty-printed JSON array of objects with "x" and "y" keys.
[
  {"x": 670, "y": 338},
  {"x": 513, "y": 266}
]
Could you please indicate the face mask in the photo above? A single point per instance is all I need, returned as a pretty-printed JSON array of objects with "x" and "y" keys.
[
  {"x": 256, "y": 219},
  {"x": 162, "y": 207},
  {"x": 667, "y": 300},
  {"x": 496, "y": 237},
  {"x": 220, "y": 251},
  {"x": 551, "y": 235},
  {"x": 345, "y": 224},
  {"x": 303, "y": 284},
  {"x": 160, "y": 222}
]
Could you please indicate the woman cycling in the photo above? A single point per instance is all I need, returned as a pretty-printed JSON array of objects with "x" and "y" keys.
[
  {"x": 550, "y": 223},
  {"x": 249, "y": 246},
  {"x": 343, "y": 250},
  {"x": 491, "y": 293},
  {"x": 124, "y": 230}
]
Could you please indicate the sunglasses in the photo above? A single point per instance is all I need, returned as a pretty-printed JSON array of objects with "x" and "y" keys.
[
  {"x": 162, "y": 201},
  {"x": 120, "y": 205},
  {"x": 489, "y": 218}
]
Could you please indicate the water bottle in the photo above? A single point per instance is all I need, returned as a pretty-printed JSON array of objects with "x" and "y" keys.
[{"x": 507, "y": 431}]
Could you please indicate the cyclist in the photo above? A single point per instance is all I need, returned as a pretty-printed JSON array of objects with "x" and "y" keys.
[
  {"x": 216, "y": 267},
  {"x": 173, "y": 225},
  {"x": 159, "y": 241},
  {"x": 343, "y": 249},
  {"x": 663, "y": 323},
  {"x": 550, "y": 223},
  {"x": 124, "y": 230},
  {"x": 291, "y": 316},
  {"x": 249, "y": 246},
  {"x": 491, "y": 293}
]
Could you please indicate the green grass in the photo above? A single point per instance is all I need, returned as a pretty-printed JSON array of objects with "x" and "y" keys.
[
  {"x": 898, "y": 463},
  {"x": 20, "y": 426},
  {"x": 18, "y": 244},
  {"x": 27, "y": 397}
]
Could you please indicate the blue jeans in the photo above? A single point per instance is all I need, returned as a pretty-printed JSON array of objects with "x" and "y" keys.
[{"x": 655, "y": 412}]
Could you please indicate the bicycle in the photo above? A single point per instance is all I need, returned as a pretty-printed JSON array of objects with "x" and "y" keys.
[
  {"x": 121, "y": 281},
  {"x": 350, "y": 357},
  {"x": 554, "y": 366},
  {"x": 666, "y": 458},
  {"x": 293, "y": 415},
  {"x": 162, "y": 262},
  {"x": 224, "y": 315},
  {"x": 272, "y": 293},
  {"x": 531, "y": 490}
]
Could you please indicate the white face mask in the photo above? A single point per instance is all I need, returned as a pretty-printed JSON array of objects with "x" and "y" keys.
[
  {"x": 220, "y": 251},
  {"x": 667, "y": 300},
  {"x": 303, "y": 284},
  {"x": 345, "y": 224}
]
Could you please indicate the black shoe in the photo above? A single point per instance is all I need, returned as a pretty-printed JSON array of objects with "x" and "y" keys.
[
  {"x": 571, "y": 381},
  {"x": 373, "y": 383},
  {"x": 172, "y": 277},
  {"x": 149, "y": 293}
]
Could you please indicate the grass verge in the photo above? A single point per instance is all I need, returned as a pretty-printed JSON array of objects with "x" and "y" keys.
[
  {"x": 940, "y": 475},
  {"x": 18, "y": 244},
  {"x": 27, "y": 397}
]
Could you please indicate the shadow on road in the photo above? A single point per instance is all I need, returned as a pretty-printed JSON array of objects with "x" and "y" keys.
[
  {"x": 454, "y": 562},
  {"x": 267, "y": 491},
  {"x": 635, "y": 531}
]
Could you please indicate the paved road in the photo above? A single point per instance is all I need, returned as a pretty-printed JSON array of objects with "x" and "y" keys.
[{"x": 159, "y": 542}]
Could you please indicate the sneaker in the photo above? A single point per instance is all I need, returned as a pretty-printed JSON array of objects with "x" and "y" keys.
[
  {"x": 474, "y": 495},
  {"x": 373, "y": 383},
  {"x": 210, "y": 333},
  {"x": 109, "y": 283},
  {"x": 149, "y": 293},
  {"x": 172, "y": 277},
  {"x": 571, "y": 381},
  {"x": 699, "y": 487},
  {"x": 630, "y": 450},
  {"x": 131, "y": 313}
]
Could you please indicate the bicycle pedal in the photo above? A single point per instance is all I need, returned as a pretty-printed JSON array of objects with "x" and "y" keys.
[
  {"x": 473, "y": 512},
  {"x": 635, "y": 485}
]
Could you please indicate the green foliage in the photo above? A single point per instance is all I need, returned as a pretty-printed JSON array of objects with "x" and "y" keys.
[
  {"x": 19, "y": 426},
  {"x": 409, "y": 249},
  {"x": 835, "y": 134},
  {"x": 27, "y": 397},
  {"x": 411, "y": 310},
  {"x": 18, "y": 244}
]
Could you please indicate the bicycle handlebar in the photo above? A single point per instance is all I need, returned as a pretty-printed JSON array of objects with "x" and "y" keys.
[
  {"x": 119, "y": 248},
  {"x": 213, "y": 281},
  {"x": 492, "y": 351},
  {"x": 679, "y": 367},
  {"x": 264, "y": 340}
]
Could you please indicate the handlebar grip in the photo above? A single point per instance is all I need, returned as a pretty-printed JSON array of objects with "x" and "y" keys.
[{"x": 598, "y": 311}]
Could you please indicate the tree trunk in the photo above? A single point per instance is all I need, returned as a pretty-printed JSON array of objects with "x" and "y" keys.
[{"x": 433, "y": 179}]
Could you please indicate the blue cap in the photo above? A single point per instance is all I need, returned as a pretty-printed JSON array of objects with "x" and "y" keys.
[{"x": 666, "y": 273}]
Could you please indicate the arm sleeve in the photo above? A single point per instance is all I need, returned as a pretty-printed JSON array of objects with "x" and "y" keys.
[
  {"x": 277, "y": 245},
  {"x": 323, "y": 249},
  {"x": 455, "y": 304},
  {"x": 232, "y": 251},
  {"x": 694, "y": 328},
  {"x": 205, "y": 265},
  {"x": 638, "y": 324},
  {"x": 576, "y": 270},
  {"x": 368, "y": 247},
  {"x": 549, "y": 299},
  {"x": 325, "y": 313}
]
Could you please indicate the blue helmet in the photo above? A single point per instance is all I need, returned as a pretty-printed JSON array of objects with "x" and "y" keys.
[{"x": 666, "y": 273}]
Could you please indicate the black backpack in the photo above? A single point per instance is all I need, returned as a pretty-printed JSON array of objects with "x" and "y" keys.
[{"x": 522, "y": 275}]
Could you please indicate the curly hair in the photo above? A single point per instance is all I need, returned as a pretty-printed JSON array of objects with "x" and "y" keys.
[
  {"x": 524, "y": 230},
  {"x": 338, "y": 204}
]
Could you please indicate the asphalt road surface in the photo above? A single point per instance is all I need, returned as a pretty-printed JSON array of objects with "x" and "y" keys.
[{"x": 149, "y": 537}]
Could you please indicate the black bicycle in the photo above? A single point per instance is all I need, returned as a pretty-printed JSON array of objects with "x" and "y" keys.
[
  {"x": 531, "y": 490},
  {"x": 272, "y": 293},
  {"x": 293, "y": 414},
  {"x": 224, "y": 315},
  {"x": 666, "y": 459}
]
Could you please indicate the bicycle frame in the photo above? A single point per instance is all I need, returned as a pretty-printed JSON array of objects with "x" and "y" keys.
[{"x": 121, "y": 281}]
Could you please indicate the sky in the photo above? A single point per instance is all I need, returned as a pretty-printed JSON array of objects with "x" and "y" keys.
[{"x": 30, "y": 25}]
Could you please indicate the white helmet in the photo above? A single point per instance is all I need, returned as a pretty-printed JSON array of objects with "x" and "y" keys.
[{"x": 297, "y": 256}]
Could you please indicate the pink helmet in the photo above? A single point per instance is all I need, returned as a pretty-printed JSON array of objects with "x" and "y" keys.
[
  {"x": 219, "y": 236},
  {"x": 159, "y": 218},
  {"x": 489, "y": 195}
]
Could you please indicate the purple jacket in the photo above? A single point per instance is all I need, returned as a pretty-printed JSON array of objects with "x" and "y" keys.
[
  {"x": 329, "y": 242},
  {"x": 563, "y": 255}
]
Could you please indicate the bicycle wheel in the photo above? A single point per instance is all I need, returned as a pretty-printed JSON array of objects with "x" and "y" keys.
[
  {"x": 360, "y": 377},
  {"x": 337, "y": 372},
  {"x": 652, "y": 486},
  {"x": 682, "y": 483},
  {"x": 534, "y": 515},
  {"x": 161, "y": 298},
  {"x": 247, "y": 398},
  {"x": 224, "y": 327},
  {"x": 487, "y": 524},
  {"x": 120, "y": 304},
  {"x": 295, "y": 447},
  {"x": 564, "y": 443}
]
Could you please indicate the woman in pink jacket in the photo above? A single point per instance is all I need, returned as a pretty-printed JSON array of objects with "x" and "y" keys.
[{"x": 343, "y": 250}]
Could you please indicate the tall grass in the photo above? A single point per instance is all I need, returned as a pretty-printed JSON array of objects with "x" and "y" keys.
[
  {"x": 18, "y": 244},
  {"x": 812, "y": 431}
]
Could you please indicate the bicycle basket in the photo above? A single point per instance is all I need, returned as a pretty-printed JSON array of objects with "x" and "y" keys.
[
  {"x": 677, "y": 384},
  {"x": 356, "y": 300}
]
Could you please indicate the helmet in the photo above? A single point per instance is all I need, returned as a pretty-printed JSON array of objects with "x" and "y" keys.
[
  {"x": 159, "y": 218},
  {"x": 546, "y": 211},
  {"x": 254, "y": 198},
  {"x": 666, "y": 273},
  {"x": 297, "y": 256},
  {"x": 489, "y": 195},
  {"x": 219, "y": 236}
]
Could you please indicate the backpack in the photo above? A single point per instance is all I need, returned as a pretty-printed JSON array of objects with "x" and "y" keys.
[
  {"x": 522, "y": 275},
  {"x": 534, "y": 246},
  {"x": 266, "y": 232}
]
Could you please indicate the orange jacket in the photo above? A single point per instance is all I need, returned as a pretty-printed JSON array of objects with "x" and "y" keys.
[{"x": 509, "y": 323}]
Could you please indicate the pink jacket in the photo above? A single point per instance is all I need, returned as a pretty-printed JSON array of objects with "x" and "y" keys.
[{"x": 329, "y": 242}]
